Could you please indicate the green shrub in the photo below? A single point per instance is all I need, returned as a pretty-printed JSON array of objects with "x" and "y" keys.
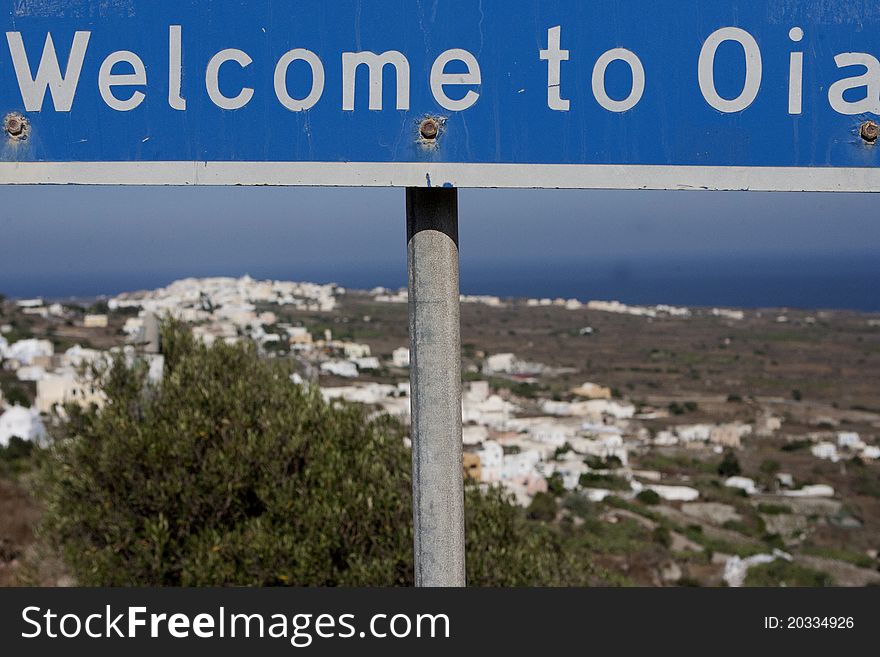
[
  {"x": 611, "y": 482},
  {"x": 676, "y": 409},
  {"x": 228, "y": 474},
  {"x": 543, "y": 508},
  {"x": 688, "y": 582},
  {"x": 774, "y": 509},
  {"x": 796, "y": 445},
  {"x": 15, "y": 394},
  {"x": 856, "y": 558},
  {"x": 662, "y": 535},
  {"x": 729, "y": 466},
  {"x": 16, "y": 456},
  {"x": 608, "y": 463},
  {"x": 506, "y": 549},
  {"x": 648, "y": 497},
  {"x": 786, "y": 573},
  {"x": 555, "y": 484},
  {"x": 867, "y": 483},
  {"x": 770, "y": 466}
]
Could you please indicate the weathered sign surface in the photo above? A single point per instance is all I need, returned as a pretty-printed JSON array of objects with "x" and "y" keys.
[{"x": 760, "y": 94}]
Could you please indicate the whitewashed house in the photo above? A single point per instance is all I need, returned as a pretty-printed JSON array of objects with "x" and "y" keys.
[
  {"x": 400, "y": 357},
  {"x": 21, "y": 422}
]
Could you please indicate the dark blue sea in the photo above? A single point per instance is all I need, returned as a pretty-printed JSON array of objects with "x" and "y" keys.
[{"x": 810, "y": 282}]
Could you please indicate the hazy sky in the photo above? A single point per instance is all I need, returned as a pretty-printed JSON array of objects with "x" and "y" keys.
[{"x": 61, "y": 240}]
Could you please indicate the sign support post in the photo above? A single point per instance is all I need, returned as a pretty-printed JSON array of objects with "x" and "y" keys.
[{"x": 435, "y": 376}]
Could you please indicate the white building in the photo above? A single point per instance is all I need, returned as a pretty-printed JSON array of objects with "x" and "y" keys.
[
  {"x": 610, "y": 408},
  {"x": 592, "y": 391},
  {"x": 595, "y": 408},
  {"x": 95, "y": 321},
  {"x": 30, "y": 373},
  {"x": 817, "y": 490},
  {"x": 474, "y": 434},
  {"x": 850, "y": 440},
  {"x": 78, "y": 356},
  {"x": 499, "y": 364},
  {"x": 570, "y": 470},
  {"x": 25, "y": 351},
  {"x": 742, "y": 483},
  {"x": 343, "y": 368},
  {"x": 694, "y": 432},
  {"x": 476, "y": 392},
  {"x": 673, "y": 493},
  {"x": 492, "y": 412},
  {"x": 491, "y": 456},
  {"x": 730, "y": 435},
  {"x": 299, "y": 335},
  {"x": 519, "y": 465},
  {"x": 825, "y": 450},
  {"x": 367, "y": 363},
  {"x": 400, "y": 357},
  {"x": 21, "y": 422},
  {"x": 665, "y": 438},
  {"x": 354, "y": 350},
  {"x": 58, "y": 389},
  {"x": 554, "y": 434}
]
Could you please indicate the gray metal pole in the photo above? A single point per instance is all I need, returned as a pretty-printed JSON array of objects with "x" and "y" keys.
[{"x": 435, "y": 375}]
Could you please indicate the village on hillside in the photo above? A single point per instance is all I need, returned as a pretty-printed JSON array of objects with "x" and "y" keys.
[{"x": 711, "y": 443}]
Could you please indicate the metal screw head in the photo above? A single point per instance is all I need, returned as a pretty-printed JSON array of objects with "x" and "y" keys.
[
  {"x": 429, "y": 129},
  {"x": 870, "y": 131},
  {"x": 15, "y": 126}
]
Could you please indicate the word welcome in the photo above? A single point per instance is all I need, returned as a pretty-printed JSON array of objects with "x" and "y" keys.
[{"x": 467, "y": 77}]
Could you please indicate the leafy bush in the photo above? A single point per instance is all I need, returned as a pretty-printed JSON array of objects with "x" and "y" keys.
[
  {"x": 774, "y": 509},
  {"x": 506, "y": 549},
  {"x": 15, "y": 394},
  {"x": 611, "y": 482},
  {"x": 786, "y": 573},
  {"x": 681, "y": 409},
  {"x": 770, "y": 466},
  {"x": 867, "y": 483},
  {"x": 228, "y": 474},
  {"x": 854, "y": 557},
  {"x": 649, "y": 497},
  {"x": 16, "y": 456},
  {"x": 662, "y": 535},
  {"x": 561, "y": 451},
  {"x": 608, "y": 463},
  {"x": 796, "y": 445},
  {"x": 555, "y": 484},
  {"x": 543, "y": 507},
  {"x": 729, "y": 466}
]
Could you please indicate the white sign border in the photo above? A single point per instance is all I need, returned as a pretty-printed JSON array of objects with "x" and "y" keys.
[{"x": 462, "y": 175}]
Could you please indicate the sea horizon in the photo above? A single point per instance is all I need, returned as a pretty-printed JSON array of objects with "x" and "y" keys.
[{"x": 832, "y": 282}]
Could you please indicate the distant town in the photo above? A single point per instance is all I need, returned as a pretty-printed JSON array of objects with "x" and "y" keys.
[{"x": 691, "y": 434}]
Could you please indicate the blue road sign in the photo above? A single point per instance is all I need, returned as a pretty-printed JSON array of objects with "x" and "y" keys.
[{"x": 734, "y": 94}]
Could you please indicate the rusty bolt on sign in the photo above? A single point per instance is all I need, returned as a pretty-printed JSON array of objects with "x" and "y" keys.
[
  {"x": 869, "y": 131},
  {"x": 429, "y": 129},
  {"x": 16, "y": 126}
]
